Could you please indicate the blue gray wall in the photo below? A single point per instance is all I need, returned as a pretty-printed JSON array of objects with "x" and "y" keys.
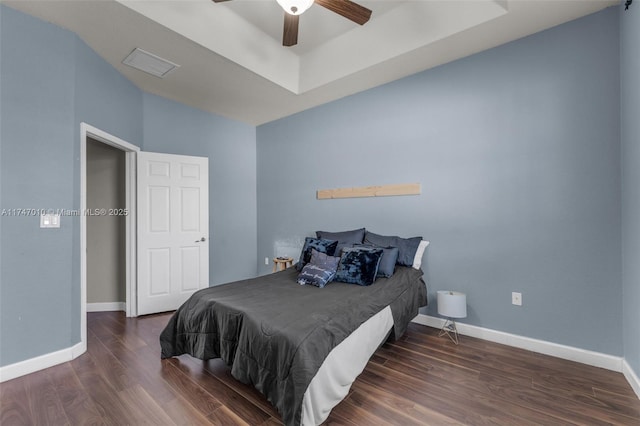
[
  {"x": 630, "y": 137},
  {"x": 517, "y": 150},
  {"x": 50, "y": 82},
  {"x": 38, "y": 164}
]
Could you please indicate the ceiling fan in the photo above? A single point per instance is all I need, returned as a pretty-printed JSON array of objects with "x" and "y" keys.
[{"x": 294, "y": 8}]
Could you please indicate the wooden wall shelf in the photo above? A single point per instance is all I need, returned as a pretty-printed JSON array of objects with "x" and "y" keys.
[{"x": 370, "y": 191}]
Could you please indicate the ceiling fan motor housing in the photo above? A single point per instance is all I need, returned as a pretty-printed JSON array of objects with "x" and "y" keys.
[{"x": 295, "y": 7}]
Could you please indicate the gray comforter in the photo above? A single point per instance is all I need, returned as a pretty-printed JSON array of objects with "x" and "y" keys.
[{"x": 275, "y": 333}]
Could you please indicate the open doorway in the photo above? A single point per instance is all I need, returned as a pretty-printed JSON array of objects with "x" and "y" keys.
[
  {"x": 105, "y": 141},
  {"x": 106, "y": 227}
]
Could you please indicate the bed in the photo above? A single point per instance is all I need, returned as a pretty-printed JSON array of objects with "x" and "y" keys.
[{"x": 299, "y": 345}]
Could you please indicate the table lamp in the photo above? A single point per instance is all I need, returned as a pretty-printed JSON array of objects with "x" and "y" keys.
[{"x": 451, "y": 304}]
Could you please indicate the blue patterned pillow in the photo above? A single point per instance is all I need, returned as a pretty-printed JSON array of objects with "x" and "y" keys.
[
  {"x": 321, "y": 245},
  {"x": 387, "y": 265},
  {"x": 320, "y": 270},
  {"x": 358, "y": 265}
]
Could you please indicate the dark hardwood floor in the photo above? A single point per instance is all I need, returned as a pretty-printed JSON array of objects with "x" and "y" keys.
[{"x": 421, "y": 379}]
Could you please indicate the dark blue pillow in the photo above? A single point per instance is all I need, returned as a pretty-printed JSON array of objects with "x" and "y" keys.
[
  {"x": 320, "y": 270},
  {"x": 321, "y": 245},
  {"x": 407, "y": 246},
  {"x": 358, "y": 265},
  {"x": 344, "y": 238},
  {"x": 388, "y": 261}
]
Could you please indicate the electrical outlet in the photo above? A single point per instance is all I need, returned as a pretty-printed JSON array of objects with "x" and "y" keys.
[
  {"x": 266, "y": 260},
  {"x": 516, "y": 298}
]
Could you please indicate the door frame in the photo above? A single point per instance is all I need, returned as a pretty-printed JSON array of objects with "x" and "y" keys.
[{"x": 130, "y": 150}]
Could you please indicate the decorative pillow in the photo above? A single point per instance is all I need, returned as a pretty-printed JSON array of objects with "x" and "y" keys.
[
  {"x": 387, "y": 265},
  {"x": 320, "y": 270},
  {"x": 321, "y": 245},
  {"x": 407, "y": 246},
  {"x": 344, "y": 238},
  {"x": 358, "y": 265},
  {"x": 417, "y": 260}
]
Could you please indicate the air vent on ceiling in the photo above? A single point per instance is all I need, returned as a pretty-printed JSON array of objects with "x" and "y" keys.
[{"x": 149, "y": 63}]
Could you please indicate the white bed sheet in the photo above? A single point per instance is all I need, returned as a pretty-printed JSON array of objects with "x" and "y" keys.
[{"x": 341, "y": 367}]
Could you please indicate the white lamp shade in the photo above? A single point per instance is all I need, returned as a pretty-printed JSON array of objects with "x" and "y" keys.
[
  {"x": 452, "y": 304},
  {"x": 295, "y": 7}
]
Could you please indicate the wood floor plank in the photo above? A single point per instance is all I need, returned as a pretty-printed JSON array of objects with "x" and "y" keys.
[
  {"x": 145, "y": 367},
  {"x": 44, "y": 401},
  {"x": 182, "y": 412},
  {"x": 144, "y": 408},
  {"x": 220, "y": 371},
  {"x": 427, "y": 363},
  {"x": 110, "y": 367},
  {"x": 199, "y": 397},
  {"x": 622, "y": 403},
  {"x": 520, "y": 362},
  {"x": 468, "y": 360},
  {"x": 224, "y": 416},
  {"x": 446, "y": 398},
  {"x": 103, "y": 395},
  {"x": 567, "y": 380},
  {"x": 14, "y": 403},
  {"x": 335, "y": 419},
  {"x": 358, "y": 415},
  {"x": 610, "y": 403},
  {"x": 78, "y": 406},
  {"x": 249, "y": 412},
  {"x": 523, "y": 401},
  {"x": 563, "y": 408},
  {"x": 399, "y": 408},
  {"x": 502, "y": 355},
  {"x": 464, "y": 386},
  {"x": 384, "y": 412},
  {"x": 419, "y": 379}
]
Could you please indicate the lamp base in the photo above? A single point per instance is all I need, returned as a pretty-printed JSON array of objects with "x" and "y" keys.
[{"x": 449, "y": 328}]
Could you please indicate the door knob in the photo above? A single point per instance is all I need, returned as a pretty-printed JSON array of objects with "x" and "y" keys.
[{"x": 201, "y": 240}]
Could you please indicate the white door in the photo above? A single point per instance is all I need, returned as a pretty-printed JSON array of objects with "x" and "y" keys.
[{"x": 173, "y": 229}]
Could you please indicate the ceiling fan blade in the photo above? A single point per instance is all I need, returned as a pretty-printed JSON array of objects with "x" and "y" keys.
[
  {"x": 290, "y": 32},
  {"x": 348, "y": 9},
  {"x": 219, "y": 1}
]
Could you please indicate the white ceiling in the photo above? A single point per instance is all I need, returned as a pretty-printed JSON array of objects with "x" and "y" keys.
[{"x": 232, "y": 61}]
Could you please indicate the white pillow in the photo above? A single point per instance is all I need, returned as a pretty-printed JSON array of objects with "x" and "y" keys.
[{"x": 417, "y": 259}]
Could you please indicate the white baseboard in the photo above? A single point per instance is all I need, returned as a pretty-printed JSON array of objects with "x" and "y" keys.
[
  {"x": 583, "y": 356},
  {"x": 32, "y": 365},
  {"x": 631, "y": 377},
  {"x": 106, "y": 307}
]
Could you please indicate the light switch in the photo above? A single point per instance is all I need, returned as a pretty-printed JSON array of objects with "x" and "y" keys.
[{"x": 50, "y": 220}]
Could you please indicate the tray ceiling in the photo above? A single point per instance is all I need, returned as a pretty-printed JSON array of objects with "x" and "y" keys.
[{"x": 232, "y": 61}]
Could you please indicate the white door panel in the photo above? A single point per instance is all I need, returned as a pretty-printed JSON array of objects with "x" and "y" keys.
[{"x": 173, "y": 230}]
